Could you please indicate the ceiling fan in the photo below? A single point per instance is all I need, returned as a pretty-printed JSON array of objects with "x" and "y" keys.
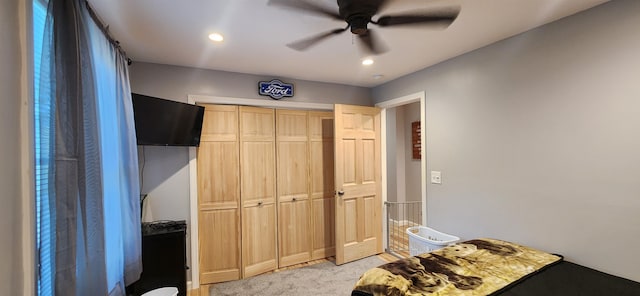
[{"x": 358, "y": 14}]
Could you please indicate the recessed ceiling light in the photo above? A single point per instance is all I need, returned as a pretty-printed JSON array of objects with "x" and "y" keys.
[
  {"x": 367, "y": 62},
  {"x": 216, "y": 37},
  {"x": 377, "y": 76}
]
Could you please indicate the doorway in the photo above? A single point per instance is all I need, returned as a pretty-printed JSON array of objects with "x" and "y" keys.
[{"x": 404, "y": 177}]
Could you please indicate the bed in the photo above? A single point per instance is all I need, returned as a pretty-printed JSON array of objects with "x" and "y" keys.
[{"x": 489, "y": 267}]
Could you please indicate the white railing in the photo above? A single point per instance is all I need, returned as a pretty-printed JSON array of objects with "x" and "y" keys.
[{"x": 400, "y": 216}]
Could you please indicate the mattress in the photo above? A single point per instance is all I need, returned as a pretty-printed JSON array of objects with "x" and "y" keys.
[{"x": 489, "y": 267}]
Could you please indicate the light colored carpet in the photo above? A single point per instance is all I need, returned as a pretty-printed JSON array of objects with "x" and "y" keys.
[{"x": 319, "y": 279}]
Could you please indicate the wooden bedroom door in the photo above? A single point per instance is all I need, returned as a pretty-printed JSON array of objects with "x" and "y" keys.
[
  {"x": 258, "y": 190},
  {"x": 358, "y": 206}
]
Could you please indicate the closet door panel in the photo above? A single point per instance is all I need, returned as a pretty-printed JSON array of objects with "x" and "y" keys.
[
  {"x": 219, "y": 245},
  {"x": 321, "y": 179},
  {"x": 219, "y": 196},
  {"x": 257, "y": 124},
  {"x": 259, "y": 239},
  {"x": 294, "y": 225},
  {"x": 295, "y": 237},
  {"x": 323, "y": 228},
  {"x": 218, "y": 164},
  {"x": 293, "y": 170},
  {"x": 258, "y": 190},
  {"x": 220, "y": 123},
  {"x": 292, "y": 125},
  {"x": 321, "y": 171},
  {"x": 258, "y": 175}
]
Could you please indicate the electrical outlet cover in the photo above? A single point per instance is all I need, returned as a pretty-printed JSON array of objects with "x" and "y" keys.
[{"x": 436, "y": 177}]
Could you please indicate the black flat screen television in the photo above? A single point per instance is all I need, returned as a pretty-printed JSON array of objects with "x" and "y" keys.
[{"x": 161, "y": 122}]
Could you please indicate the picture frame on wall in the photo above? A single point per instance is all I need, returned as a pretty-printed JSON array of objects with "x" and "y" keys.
[{"x": 416, "y": 145}]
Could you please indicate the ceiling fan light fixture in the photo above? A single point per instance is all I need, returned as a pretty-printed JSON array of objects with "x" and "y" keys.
[{"x": 216, "y": 37}]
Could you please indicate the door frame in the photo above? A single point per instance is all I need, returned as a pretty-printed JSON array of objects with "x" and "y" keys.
[
  {"x": 193, "y": 167},
  {"x": 385, "y": 105}
]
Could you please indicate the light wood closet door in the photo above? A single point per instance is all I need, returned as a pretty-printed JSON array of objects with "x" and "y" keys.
[
  {"x": 219, "y": 196},
  {"x": 321, "y": 184},
  {"x": 258, "y": 190},
  {"x": 294, "y": 224}
]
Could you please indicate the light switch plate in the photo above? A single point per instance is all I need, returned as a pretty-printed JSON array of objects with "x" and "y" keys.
[{"x": 436, "y": 177}]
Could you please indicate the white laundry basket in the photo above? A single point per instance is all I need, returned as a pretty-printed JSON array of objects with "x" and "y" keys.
[{"x": 423, "y": 239}]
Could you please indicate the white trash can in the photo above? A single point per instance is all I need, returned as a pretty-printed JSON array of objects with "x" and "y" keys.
[{"x": 166, "y": 291}]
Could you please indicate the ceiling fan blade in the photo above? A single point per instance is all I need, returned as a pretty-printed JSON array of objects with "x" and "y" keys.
[
  {"x": 306, "y": 6},
  {"x": 303, "y": 44},
  {"x": 442, "y": 18},
  {"x": 382, "y": 5},
  {"x": 372, "y": 43}
]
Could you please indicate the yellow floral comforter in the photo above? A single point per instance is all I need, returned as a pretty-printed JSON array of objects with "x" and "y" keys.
[{"x": 474, "y": 267}]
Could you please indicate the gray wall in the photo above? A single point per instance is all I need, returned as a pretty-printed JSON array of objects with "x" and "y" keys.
[
  {"x": 165, "y": 170},
  {"x": 400, "y": 152},
  {"x": 166, "y": 175},
  {"x": 10, "y": 168},
  {"x": 537, "y": 138},
  {"x": 392, "y": 170},
  {"x": 413, "y": 173}
]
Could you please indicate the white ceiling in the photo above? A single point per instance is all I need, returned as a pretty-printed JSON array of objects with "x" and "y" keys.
[{"x": 175, "y": 33}]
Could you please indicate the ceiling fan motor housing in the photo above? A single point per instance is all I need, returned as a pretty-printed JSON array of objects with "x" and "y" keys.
[
  {"x": 358, "y": 13},
  {"x": 358, "y": 24}
]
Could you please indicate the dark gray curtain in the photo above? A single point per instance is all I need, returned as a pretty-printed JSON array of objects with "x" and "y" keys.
[
  {"x": 77, "y": 177},
  {"x": 93, "y": 194}
]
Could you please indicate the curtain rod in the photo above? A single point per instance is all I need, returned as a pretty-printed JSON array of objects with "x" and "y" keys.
[{"x": 105, "y": 30}]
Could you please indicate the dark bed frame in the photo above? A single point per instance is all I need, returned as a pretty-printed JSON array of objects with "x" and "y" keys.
[
  {"x": 566, "y": 279},
  {"x": 569, "y": 279}
]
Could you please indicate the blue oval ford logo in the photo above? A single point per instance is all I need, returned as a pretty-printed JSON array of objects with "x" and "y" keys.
[{"x": 276, "y": 89}]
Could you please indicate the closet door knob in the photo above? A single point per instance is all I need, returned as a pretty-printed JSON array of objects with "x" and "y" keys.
[
  {"x": 341, "y": 193},
  {"x": 259, "y": 203}
]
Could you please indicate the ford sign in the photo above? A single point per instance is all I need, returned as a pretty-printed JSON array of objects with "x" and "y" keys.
[{"x": 276, "y": 89}]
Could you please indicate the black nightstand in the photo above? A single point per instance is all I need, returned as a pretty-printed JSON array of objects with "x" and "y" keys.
[{"x": 163, "y": 257}]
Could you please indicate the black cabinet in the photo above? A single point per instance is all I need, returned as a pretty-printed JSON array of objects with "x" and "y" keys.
[{"x": 163, "y": 258}]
